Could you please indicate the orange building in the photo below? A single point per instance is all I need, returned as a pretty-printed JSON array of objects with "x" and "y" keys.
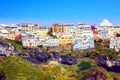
[{"x": 58, "y": 29}]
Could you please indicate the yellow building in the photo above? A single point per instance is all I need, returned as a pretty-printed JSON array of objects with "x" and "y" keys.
[
  {"x": 66, "y": 40},
  {"x": 42, "y": 31},
  {"x": 112, "y": 32}
]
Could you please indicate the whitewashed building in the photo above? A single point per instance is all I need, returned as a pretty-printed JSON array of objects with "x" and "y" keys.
[
  {"x": 42, "y": 41},
  {"x": 52, "y": 42},
  {"x": 69, "y": 29},
  {"x": 112, "y": 31},
  {"x": 26, "y": 26},
  {"x": 115, "y": 42},
  {"x": 84, "y": 38},
  {"x": 29, "y": 40},
  {"x": 104, "y": 28},
  {"x": 82, "y": 28},
  {"x": 85, "y": 41},
  {"x": 4, "y": 33}
]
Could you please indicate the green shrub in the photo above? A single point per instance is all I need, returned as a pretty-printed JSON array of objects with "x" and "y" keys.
[
  {"x": 17, "y": 44},
  {"x": 84, "y": 65},
  {"x": 107, "y": 51}
]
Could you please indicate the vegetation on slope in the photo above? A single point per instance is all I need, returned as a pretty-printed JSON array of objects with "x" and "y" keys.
[
  {"x": 84, "y": 65},
  {"x": 17, "y": 44},
  {"x": 16, "y": 68}
]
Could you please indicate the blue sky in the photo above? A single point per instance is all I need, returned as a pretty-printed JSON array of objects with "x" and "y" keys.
[{"x": 47, "y": 12}]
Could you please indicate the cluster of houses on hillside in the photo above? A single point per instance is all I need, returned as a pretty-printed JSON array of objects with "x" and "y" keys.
[{"x": 80, "y": 36}]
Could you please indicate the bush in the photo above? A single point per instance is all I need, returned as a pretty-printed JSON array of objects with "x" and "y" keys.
[
  {"x": 17, "y": 44},
  {"x": 107, "y": 51},
  {"x": 84, "y": 65},
  {"x": 16, "y": 68}
]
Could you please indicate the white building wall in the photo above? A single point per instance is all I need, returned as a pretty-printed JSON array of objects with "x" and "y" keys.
[
  {"x": 69, "y": 29},
  {"x": 84, "y": 38},
  {"x": 117, "y": 46}
]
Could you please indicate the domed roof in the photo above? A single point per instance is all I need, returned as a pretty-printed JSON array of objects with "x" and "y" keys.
[{"x": 105, "y": 22}]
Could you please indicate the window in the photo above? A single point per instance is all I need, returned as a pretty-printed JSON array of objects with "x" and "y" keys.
[
  {"x": 59, "y": 29},
  {"x": 55, "y": 29},
  {"x": 28, "y": 40},
  {"x": 70, "y": 37}
]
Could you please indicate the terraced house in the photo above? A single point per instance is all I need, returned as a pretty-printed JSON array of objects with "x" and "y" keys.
[
  {"x": 115, "y": 42},
  {"x": 13, "y": 31},
  {"x": 30, "y": 40},
  {"x": 112, "y": 31},
  {"x": 69, "y": 29},
  {"x": 26, "y": 27},
  {"x": 66, "y": 40},
  {"x": 104, "y": 28},
  {"x": 58, "y": 29},
  {"x": 4, "y": 33},
  {"x": 52, "y": 42},
  {"x": 42, "y": 31},
  {"x": 9, "y": 31},
  {"x": 82, "y": 28},
  {"x": 84, "y": 38}
]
